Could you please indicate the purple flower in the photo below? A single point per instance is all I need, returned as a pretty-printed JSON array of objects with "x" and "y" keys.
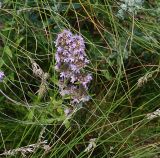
[
  {"x": 57, "y": 58},
  {"x": 74, "y": 67},
  {"x": 73, "y": 78},
  {"x": 86, "y": 80},
  {"x": 67, "y": 111},
  {"x": 70, "y": 63},
  {"x": 1, "y": 76},
  {"x": 59, "y": 49}
]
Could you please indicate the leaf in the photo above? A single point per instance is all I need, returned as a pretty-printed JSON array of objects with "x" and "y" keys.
[
  {"x": 107, "y": 75},
  {"x": 76, "y": 5},
  {"x": 19, "y": 40},
  {"x": 8, "y": 51},
  {"x": 1, "y": 62},
  {"x": 60, "y": 110},
  {"x": 7, "y": 29},
  {"x": 67, "y": 123}
]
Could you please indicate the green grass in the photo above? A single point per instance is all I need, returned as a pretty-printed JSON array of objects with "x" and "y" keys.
[{"x": 120, "y": 51}]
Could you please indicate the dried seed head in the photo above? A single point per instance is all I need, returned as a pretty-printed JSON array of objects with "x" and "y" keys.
[
  {"x": 144, "y": 79},
  {"x": 153, "y": 115},
  {"x": 37, "y": 71}
]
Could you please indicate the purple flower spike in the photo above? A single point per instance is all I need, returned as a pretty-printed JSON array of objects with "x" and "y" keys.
[
  {"x": 1, "y": 76},
  {"x": 70, "y": 63}
]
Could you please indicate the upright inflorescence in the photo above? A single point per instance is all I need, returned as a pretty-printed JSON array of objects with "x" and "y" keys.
[
  {"x": 1, "y": 76},
  {"x": 71, "y": 60}
]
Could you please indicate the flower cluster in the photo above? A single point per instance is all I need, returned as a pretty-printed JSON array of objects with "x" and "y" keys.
[
  {"x": 132, "y": 6},
  {"x": 153, "y": 115},
  {"x": 71, "y": 60},
  {"x": 1, "y": 76}
]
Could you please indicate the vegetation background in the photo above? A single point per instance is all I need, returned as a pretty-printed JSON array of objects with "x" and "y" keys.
[{"x": 123, "y": 44}]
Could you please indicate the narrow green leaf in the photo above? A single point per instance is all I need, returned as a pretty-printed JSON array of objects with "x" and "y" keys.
[
  {"x": 1, "y": 62},
  {"x": 8, "y": 51}
]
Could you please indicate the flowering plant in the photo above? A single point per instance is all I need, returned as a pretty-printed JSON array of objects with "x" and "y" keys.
[
  {"x": 1, "y": 76},
  {"x": 71, "y": 60}
]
